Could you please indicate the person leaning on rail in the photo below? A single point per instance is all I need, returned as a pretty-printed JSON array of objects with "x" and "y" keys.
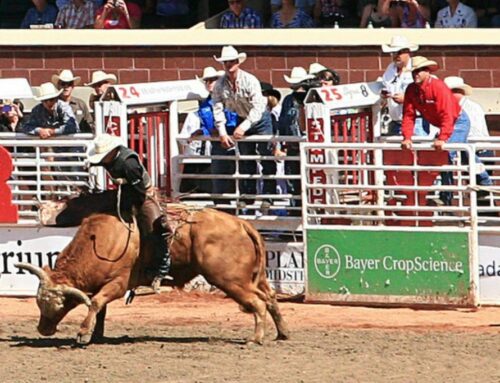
[
  {"x": 434, "y": 100},
  {"x": 125, "y": 168},
  {"x": 240, "y": 92}
]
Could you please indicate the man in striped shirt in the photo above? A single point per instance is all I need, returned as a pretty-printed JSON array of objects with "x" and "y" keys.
[
  {"x": 77, "y": 14},
  {"x": 240, "y": 16},
  {"x": 240, "y": 92}
]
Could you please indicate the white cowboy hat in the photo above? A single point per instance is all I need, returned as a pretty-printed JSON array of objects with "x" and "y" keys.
[
  {"x": 210, "y": 72},
  {"x": 418, "y": 62},
  {"x": 316, "y": 68},
  {"x": 65, "y": 76},
  {"x": 48, "y": 91},
  {"x": 230, "y": 53},
  {"x": 103, "y": 144},
  {"x": 100, "y": 76},
  {"x": 398, "y": 43},
  {"x": 455, "y": 82},
  {"x": 298, "y": 75}
]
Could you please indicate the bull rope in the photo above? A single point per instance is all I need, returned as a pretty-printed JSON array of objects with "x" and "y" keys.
[{"x": 117, "y": 258}]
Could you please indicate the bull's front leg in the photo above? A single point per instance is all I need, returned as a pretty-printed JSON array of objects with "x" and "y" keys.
[{"x": 108, "y": 293}]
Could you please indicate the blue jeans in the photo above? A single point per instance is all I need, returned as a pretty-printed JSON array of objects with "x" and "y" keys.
[
  {"x": 220, "y": 186},
  {"x": 459, "y": 135},
  {"x": 249, "y": 186},
  {"x": 421, "y": 128}
]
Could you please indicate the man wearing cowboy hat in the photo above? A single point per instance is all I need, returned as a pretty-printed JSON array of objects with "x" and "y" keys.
[
  {"x": 201, "y": 123},
  {"x": 240, "y": 92},
  {"x": 137, "y": 194},
  {"x": 396, "y": 79},
  {"x": 292, "y": 123},
  {"x": 327, "y": 77},
  {"x": 434, "y": 100},
  {"x": 100, "y": 82},
  {"x": 66, "y": 82},
  {"x": 52, "y": 117}
]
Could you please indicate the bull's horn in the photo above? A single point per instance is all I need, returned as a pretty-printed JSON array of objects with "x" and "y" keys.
[
  {"x": 38, "y": 271},
  {"x": 76, "y": 293}
]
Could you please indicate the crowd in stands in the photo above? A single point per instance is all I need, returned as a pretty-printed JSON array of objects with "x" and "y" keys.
[{"x": 128, "y": 14}]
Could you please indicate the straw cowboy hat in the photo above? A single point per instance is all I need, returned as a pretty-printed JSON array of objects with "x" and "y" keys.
[
  {"x": 316, "y": 68},
  {"x": 103, "y": 144},
  {"x": 418, "y": 62},
  {"x": 65, "y": 76},
  {"x": 455, "y": 82},
  {"x": 398, "y": 43},
  {"x": 298, "y": 75},
  {"x": 230, "y": 53},
  {"x": 100, "y": 76},
  {"x": 210, "y": 72},
  {"x": 48, "y": 91}
]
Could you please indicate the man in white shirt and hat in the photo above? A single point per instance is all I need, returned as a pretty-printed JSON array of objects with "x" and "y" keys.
[
  {"x": 100, "y": 82},
  {"x": 396, "y": 79},
  {"x": 66, "y": 82},
  {"x": 240, "y": 92}
]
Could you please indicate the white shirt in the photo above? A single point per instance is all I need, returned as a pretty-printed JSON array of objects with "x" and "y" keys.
[
  {"x": 478, "y": 127},
  {"x": 396, "y": 83},
  {"x": 191, "y": 125},
  {"x": 246, "y": 100},
  {"x": 464, "y": 17}
]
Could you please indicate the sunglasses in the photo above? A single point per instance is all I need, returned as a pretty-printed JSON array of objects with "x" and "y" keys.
[
  {"x": 326, "y": 78},
  {"x": 210, "y": 80},
  {"x": 66, "y": 83}
]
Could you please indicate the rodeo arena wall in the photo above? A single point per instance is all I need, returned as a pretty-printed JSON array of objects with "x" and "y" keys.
[{"x": 358, "y": 237}]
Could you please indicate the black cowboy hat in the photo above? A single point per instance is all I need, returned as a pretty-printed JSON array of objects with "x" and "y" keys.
[{"x": 268, "y": 90}]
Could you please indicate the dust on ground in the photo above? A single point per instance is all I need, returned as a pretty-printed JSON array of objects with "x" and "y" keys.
[{"x": 200, "y": 337}]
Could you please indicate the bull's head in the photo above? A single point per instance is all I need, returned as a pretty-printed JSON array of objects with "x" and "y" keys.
[{"x": 53, "y": 300}]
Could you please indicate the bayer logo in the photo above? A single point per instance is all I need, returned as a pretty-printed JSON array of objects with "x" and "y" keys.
[{"x": 327, "y": 261}]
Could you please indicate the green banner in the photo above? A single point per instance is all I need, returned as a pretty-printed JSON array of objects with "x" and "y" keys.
[{"x": 388, "y": 263}]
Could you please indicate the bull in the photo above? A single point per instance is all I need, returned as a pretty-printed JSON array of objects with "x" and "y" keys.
[{"x": 106, "y": 258}]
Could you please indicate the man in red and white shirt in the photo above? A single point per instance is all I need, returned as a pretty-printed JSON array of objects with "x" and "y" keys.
[{"x": 435, "y": 101}]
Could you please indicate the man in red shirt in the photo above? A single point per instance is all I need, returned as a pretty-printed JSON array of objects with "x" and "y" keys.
[
  {"x": 118, "y": 14},
  {"x": 435, "y": 101}
]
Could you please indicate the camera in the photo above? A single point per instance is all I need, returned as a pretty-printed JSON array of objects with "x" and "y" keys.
[
  {"x": 6, "y": 108},
  {"x": 329, "y": 20},
  {"x": 385, "y": 93}
]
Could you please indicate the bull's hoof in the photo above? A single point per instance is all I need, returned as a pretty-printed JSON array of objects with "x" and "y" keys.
[
  {"x": 283, "y": 336},
  {"x": 83, "y": 339}
]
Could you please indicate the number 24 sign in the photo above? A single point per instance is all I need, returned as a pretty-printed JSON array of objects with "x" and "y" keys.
[{"x": 128, "y": 92}]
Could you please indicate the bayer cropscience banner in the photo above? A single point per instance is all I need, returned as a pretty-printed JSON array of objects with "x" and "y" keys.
[{"x": 388, "y": 266}]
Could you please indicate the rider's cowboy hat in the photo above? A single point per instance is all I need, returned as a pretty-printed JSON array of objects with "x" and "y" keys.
[
  {"x": 103, "y": 144},
  {"x": 316, "y": 68},
  {"x": 455, "y": 82},
  {"x": 298, "y": 75},
  {"x": 398, "y": 43},
  {"x": 210, "y": 72},
  {"x": 65, "y": 76},
  {"x": 418, "y": 62},
  {"x": 100, "y": 76},
  {"x": 229, "y": 53},
  {"x": 48, "y": 91}
]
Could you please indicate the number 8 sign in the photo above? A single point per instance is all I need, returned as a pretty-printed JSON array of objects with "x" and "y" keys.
[{"x": 8, "y": 211}]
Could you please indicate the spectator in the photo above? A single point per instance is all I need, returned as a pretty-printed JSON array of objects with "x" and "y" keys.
[
  {"x": 378, "y": 15},
  {"x": 488, "y": 13},
  {"x": 327, "y": 77},
  {"x": 66, "y": 82},
  {"x": 434, "y": 100},
  {"x": 240, "y": 92},
  {"x": 240, "y": 16},
  {"x": 292, "y": 123},
  {"x": 273, "y": 97},
  {"x": 290, "y": 16},
  {"x": 77, "y": 14},
  {"x": 170, "y": 13},
  {"x": 456, "y": 15},
  {"x": 41, "y": 14},
  {"x": 328, "y": 13},
  {"x": 306, "y": 6},
  {"x": 201, "y": 123},
  {"x": 11, "y": 116},
  {"x": 62, "y": 3},
  {"x": 118, "y": 14},
  {"x": 413, "y": 14},
  {"x": 52, "y": 117},
  {"x": 396, "y": 79},
  {"x": 478, "y": 127},
  {"x": 100, "y": 82}
]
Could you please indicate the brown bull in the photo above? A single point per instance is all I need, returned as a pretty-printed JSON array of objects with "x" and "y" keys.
[{"x": 105, "y": 259}]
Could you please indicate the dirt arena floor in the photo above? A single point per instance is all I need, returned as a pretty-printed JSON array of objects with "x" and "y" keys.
[{"x": 200, "y": 337}]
